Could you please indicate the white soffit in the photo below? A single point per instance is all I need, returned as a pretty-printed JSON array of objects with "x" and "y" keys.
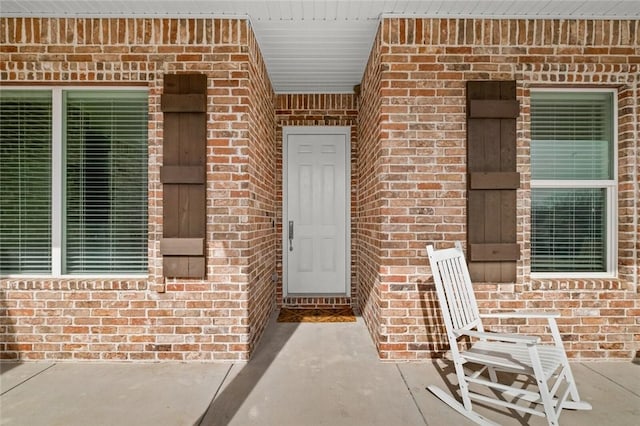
[
  {"x": 315, "y": 56},
  {"x": 321, "y": 45}
]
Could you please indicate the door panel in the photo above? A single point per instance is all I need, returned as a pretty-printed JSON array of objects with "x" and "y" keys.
[{"x": 316, "y": 195}]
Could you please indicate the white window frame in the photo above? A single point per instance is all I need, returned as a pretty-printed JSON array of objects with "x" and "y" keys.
[
  {"x": 610, "y": 187},
  {"x": 57, "y": 180}
]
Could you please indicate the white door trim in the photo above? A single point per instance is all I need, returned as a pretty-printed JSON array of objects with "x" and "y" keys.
[{"x": 316, "y": 130}]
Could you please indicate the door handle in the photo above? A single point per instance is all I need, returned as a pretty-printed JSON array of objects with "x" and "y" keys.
[{"x": 290, "y": 235}]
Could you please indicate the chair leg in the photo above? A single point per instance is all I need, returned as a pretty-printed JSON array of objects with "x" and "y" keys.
[
  {"x": 547, "y": 400},
  {"x": 492, "y": 375},
  {"x": 548, "y": 404},
  {"x": 463, "y": 385},
  {"x": 575, "y": 403}
]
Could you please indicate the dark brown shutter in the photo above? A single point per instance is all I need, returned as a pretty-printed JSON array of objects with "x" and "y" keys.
[
  {"x": 183, "y": 175},
  {"x": 492, "y": 110}
]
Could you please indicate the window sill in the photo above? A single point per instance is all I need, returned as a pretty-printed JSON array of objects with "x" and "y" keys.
[
  {"x": 538, "y": 282},
  {"x": 75, "y": 283}
]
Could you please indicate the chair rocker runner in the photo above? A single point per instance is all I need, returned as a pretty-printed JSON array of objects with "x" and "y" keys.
[{"x": 498, "y": 352}]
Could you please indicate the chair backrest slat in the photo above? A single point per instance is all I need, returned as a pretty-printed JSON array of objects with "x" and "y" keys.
[
  {"x": 449, "y": 275},
  {"x": 465, "y": 293},
  {"x": 455, "y": 290}
]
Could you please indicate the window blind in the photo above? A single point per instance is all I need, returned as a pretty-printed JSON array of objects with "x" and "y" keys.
[
  {"x": 25, "y": 182},
  {"x": 106, "y": 182},
  {"x": 571, "y": 141},
  {"x": 568, "y": 230},
  {"x": 571, "y": 135}
]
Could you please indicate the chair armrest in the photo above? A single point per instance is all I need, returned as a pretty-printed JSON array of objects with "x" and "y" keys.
[
  {"x": 502, "y": 337},
  {"x": 522, "y": 314}
]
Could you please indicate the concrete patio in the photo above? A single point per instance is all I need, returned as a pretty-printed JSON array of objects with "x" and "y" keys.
[{"x": 301, "y": 374}]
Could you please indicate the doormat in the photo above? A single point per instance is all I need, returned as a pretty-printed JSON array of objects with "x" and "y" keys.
[{"x": 316, "y": 315}]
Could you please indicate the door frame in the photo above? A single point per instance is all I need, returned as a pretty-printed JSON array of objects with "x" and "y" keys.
[{"x": 316, "y": 130}]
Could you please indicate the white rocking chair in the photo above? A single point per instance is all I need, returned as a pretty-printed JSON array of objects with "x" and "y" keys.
[{"x": 497, "y": 352}]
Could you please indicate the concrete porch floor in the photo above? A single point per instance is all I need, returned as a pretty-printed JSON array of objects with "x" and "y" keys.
[{"x": 301, "y": 374}]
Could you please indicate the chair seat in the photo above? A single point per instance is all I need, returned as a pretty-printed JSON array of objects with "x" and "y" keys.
[{"x": 514, "y": 357}]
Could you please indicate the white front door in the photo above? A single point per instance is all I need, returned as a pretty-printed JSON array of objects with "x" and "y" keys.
[{"x": 315, "y": 227}]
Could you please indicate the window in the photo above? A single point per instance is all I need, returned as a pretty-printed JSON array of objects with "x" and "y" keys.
[
  {"x": 573, "y": 182},
  {"x": 73, "y": 182}
]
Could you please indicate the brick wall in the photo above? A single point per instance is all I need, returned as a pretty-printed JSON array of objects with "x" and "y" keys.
[
  {"x": 634, "y": 134},
  {"x": 368, "y": 223},
  {"x": 317, "y": 110},
  {"x": 262, "y": 195},
  {"x": 424, "y": 65},
  {"x": 408, "y": 184},
  {"x": 154, "y": 319}
]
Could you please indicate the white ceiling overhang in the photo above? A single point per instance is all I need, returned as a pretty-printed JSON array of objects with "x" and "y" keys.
[{"x": 321, "y": 45}]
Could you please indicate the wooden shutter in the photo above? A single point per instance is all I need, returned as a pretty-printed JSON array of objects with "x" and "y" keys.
[
  {"x": 492, "y": 110},
  {"x": 183, "y": 175}
]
